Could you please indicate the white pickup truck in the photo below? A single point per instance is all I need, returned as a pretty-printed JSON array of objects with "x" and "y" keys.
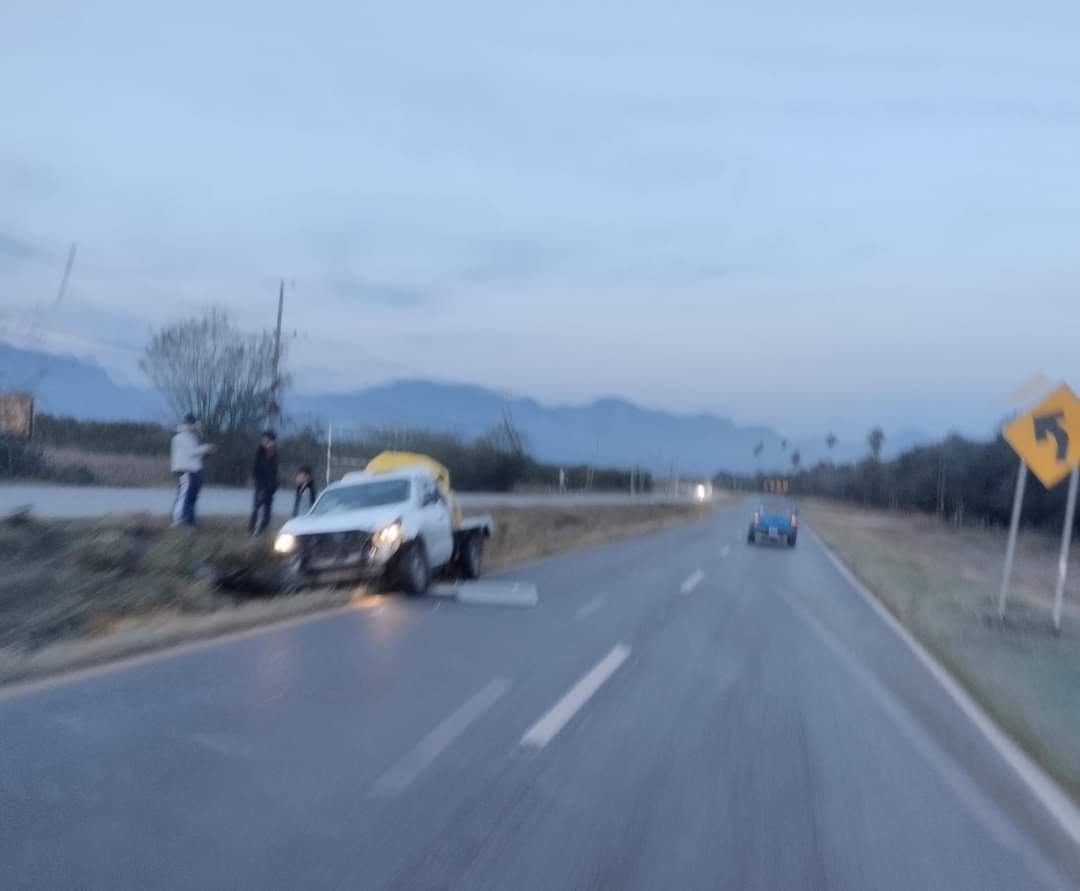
[{"x": 398, "y": 526}]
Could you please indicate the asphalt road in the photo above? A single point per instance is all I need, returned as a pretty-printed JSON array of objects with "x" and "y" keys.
[
  {"x": 94, "y": 501},
  {"x": 680, "y": 711}
]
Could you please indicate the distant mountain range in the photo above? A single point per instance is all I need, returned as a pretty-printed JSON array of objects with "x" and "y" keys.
[
  {"x": 65, "y": 385},
  {"x": 609, "y": 431}
]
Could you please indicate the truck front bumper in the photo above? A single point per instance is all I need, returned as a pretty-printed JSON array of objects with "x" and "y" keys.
[{"x": 342, "y": 556}]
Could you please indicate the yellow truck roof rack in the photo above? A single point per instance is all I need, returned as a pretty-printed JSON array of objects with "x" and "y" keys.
[{"x": 388, "y": 461}]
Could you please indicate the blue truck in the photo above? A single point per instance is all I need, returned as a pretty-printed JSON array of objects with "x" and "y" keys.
[{"x": 776, "y": 521}]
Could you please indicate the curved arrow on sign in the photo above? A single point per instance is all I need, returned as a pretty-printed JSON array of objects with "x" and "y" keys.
[{"x": 1050, "y": 425}]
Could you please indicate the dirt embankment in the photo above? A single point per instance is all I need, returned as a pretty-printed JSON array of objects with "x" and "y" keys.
[{"x": 77, "y": 592}]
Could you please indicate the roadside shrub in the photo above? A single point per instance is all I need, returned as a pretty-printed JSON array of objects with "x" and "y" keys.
[
  {"x": 70, "y": 474},
  {"x": 20, "y": 458},
  {"x": 963, "y": 481}
]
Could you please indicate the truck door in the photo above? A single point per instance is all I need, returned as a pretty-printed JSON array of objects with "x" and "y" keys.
[{"x": 435, "y": 525}]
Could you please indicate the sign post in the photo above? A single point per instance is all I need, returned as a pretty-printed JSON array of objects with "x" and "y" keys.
[
  {"x": 1066, "y": 540},
  {"x": 17, "y": 415},
  {"x": 1047, "y": 439},
  {"x": 1014, "y": 527}
]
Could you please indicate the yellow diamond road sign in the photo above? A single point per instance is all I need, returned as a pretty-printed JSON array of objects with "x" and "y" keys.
[{"x": 1047, "y": 438}]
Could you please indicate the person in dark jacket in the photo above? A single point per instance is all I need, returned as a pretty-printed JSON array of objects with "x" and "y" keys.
[
  {"x": 306, "y": 493},
  {"x": 265, "y": 473}
]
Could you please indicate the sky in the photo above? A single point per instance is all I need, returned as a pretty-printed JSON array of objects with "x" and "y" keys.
[{"x": 818, "y": 216}]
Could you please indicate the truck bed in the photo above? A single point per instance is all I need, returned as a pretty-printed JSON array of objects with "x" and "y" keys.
[{"x": 482, "y": 523}]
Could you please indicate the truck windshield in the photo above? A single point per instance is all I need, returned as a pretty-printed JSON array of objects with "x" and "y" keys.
[{"x": 361, "y": 495}]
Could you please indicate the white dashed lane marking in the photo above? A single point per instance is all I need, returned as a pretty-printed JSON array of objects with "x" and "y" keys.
[
  {"x": 545, "y": 730},
  {"x": 695, "y": 579}
]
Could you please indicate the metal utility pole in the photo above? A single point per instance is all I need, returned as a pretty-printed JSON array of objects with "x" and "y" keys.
[
  {"x": 275, "y": 382},
  {"x": 67, "y": 272},
  {"x": 329, "y": 449}
]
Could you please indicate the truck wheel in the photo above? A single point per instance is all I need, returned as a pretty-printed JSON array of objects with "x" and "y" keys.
[
  {"x": 751, "y": 538},
  {"x": 414, "y": 571},
  {"x": 472, "y": 550},
  {"x": 292, "y": 579},
  {"x": 791, "y": 540}
]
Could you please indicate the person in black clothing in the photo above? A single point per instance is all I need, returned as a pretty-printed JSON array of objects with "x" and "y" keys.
[
  {"x": 265, "y": 472},
  {"x": 306, "y": 493}
]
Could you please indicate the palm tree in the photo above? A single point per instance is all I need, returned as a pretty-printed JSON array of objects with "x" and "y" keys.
[
  {"x": 796, "y": 460},
  {"x": 783, "y": 445},
  {"x": 758, "y": 449},
  {"x": 830, "y": 441},
  {"x": 876, "y": 439}
]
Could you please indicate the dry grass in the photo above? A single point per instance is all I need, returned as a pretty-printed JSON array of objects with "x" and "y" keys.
[
  {"x": 78, "y": 592},
  {"x": 114, "y": 470},
  {"x": 529, "y": 533},
  {"x": 942, "y": 584}
]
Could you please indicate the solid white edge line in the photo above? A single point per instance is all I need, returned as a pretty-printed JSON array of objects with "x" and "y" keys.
[
  {"x": 971, "y": 796},
  {"x": 438, "y": 740},
  {"x": 695, "y": 578},
  {"x": 545, "y": 730},
  {"x": 1050, "y": 795}
]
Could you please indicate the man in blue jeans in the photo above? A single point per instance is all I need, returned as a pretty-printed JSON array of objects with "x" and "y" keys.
[{"x": 186, "y": 458}]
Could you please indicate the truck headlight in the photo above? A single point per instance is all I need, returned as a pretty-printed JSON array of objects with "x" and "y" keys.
[
  {"x": 285, "y": 543},
  {"x": 388, "y": 535}
]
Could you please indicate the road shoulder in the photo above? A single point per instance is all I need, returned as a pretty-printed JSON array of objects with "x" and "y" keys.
[{"x": 1021, "y": 782}]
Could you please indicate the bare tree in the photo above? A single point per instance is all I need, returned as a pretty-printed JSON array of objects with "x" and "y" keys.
[
  {"x": 758, "y": 449},
  {"x": 220, "y": 374},
  {"x": 876, "y": 439}
]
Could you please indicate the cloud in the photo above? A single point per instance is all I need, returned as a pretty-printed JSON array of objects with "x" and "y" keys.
[
  {"x": 21, "y": 250},
  {"x": 356, "y": 289}
]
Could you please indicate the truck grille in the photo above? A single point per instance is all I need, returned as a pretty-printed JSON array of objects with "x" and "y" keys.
[{"x": 329, "y": 550}]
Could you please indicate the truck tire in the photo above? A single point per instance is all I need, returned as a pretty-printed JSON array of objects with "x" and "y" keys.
[
  {"x": 791, "y": 539},
  {"x": 471, "y": 556},
  {"x": 291, "y": 578},
  {"x": 751, "y": 538},
  {"x": 414, "y": 571}
]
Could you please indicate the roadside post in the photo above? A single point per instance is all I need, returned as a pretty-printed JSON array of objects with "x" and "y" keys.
[
  {"x": 1047, "y": 439},
  {"x": 1066, "y": 540},
  {"x": 1014, "y": 528}
]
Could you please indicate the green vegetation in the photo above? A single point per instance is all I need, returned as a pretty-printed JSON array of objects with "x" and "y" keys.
[
  {"x": 964, "y": 481},
  {"x": 20, "y": 458},
  {"x": 111, "y": 437},
  {"x": 497, "y": 462}
]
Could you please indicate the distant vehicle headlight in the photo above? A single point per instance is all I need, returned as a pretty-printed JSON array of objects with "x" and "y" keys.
[
  {"x": 285, "y": 543},
  {"x": 389, "y": 535},
  {"x": 700, "y": 492}
]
